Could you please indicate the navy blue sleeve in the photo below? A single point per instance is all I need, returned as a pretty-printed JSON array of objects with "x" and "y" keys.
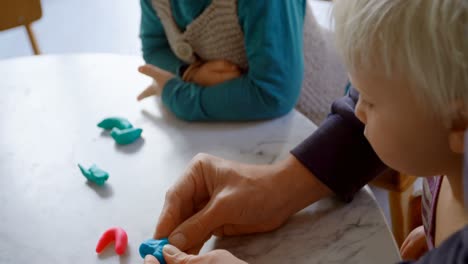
[{"x": 338, "y": 154}]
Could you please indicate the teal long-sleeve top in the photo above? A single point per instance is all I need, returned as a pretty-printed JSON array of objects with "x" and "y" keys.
[{"x": 273, "y": 35}]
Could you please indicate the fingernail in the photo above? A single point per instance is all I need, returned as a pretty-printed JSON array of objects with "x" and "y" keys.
[
  {"x": 178, "y": 240},
  {"x": 170, "y": 250}
]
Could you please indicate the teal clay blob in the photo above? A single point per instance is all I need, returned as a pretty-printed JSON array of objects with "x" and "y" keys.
[
  {"x": 154, "y": 247},
  {"x": 115, "y": 122},
  {"x": 94, "y": 174},
  {"x": 126, "y": 136}
]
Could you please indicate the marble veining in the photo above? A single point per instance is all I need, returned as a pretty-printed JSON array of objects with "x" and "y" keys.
[{"x": 326, "y": 232}]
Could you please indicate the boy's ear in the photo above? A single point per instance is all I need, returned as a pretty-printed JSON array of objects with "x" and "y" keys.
[
  {"x": 457, "y": 132},
  {"x": 457, "y": 141}
]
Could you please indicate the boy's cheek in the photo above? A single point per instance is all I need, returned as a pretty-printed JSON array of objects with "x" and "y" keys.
[{"x": 360, "y": 114}]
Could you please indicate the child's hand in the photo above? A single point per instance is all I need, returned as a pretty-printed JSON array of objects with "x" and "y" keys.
[
  {"x": 212, "y": 72},
  {"x": 173, "y": 255},
  {"x": 160, "y": 77},
  {"x": 414, "y": 245}
]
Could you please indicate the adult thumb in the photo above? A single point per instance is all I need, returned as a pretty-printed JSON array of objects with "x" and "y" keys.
[
  {"x": 195, "y": 230},
  {"x": 173, "y": 255}
]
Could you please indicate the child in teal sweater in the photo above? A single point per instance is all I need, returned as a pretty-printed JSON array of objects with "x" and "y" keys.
[{"x": 224, "y": 59}]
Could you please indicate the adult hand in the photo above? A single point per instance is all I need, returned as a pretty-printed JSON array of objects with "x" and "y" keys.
[
  {"x": 160, "y": 78},
  {"x": 211, "y": 73},
  {"x": 172, "y": 255},
  {"x": 415, "y": 245},
  {"x": 221, "y": 197}
]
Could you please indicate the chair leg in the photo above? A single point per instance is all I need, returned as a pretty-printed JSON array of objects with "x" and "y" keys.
[
  {"x": 414, "y": 211},
  {"x": 32, "y": 39},
  {"x": 399, "y": 203}
]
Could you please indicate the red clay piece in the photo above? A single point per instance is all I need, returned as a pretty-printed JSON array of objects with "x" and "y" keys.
[{"x": 116, "y": 234}]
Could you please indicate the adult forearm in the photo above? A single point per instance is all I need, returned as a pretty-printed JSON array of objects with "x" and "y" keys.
[{"x": 303, "y": 187}]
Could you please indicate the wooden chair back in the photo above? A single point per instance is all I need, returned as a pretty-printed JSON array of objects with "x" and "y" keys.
[{"x": 15, "y": 13}]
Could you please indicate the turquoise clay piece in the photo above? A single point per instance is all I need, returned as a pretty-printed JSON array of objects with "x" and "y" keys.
[
  {"x": 94, "y": 174},
  {"x": 126, "y": 136},
  {"x": 154, "y": 247},
  {"x": 115, "y": 122}
]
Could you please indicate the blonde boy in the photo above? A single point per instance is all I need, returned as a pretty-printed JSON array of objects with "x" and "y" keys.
[{"x": 409, "y": 61}]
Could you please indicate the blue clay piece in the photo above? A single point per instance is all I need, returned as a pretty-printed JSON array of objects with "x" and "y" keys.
[
  {"x": 115, "y": 122},
  {"x": 94, "y": 174},
  {"x": 126, "y": 136},
  {"x": 154, "y": 247}
]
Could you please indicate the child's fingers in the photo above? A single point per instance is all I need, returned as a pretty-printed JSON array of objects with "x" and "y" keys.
[
  {"x": 149, "y": 70},
  {"x": 150, "y": 91},
  {"x": 405, "y": 243},
  {"x": 190, "y": 72},
  {"x": 404, "y": 251},
  {"x": 221, "y": 66},
  {"x": 408, "y": 251},
  {"x": 413, "y": 250}
]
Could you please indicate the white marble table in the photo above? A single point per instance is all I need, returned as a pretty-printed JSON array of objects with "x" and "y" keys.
[{"x": 49, "y": 107}]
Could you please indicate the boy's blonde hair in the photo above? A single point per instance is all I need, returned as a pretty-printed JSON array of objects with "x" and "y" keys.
[{"x": 424, "y": 41}]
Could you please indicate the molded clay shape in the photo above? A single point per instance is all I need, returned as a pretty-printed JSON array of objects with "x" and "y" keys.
[
  {"x": 115, "y": 122},
  {"x": 154, "y": 247},
  {"x": 126, "y": 136},
  {"x": 94, "y": 174},
  {"x": 116, "y": 234}
]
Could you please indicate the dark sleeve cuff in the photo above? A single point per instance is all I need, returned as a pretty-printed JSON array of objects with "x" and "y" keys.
[{"x": 338, "y": 154}]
